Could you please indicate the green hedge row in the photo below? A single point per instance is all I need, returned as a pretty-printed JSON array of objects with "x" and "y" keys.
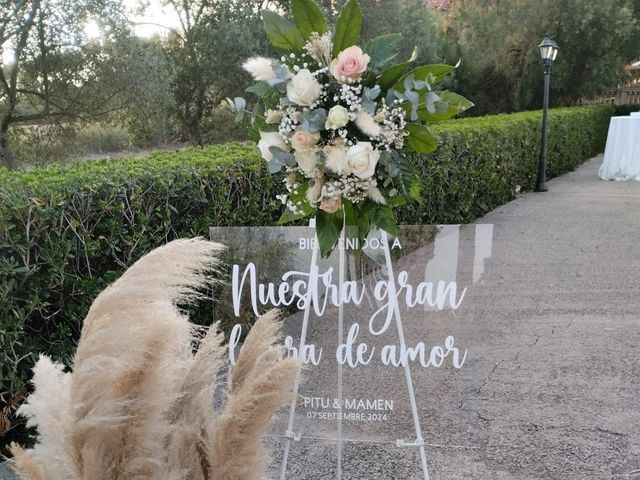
[{"x": 66, "y": 232}]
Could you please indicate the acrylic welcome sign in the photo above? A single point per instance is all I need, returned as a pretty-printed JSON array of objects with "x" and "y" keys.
[{"x": 385, "y": 335}]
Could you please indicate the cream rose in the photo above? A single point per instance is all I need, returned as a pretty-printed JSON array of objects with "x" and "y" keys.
[
  {"x": 338, "y": 117},
  {"x": 273, "y": 116},
  {"x": 303, "y": 89},
  {"x": 331, "y": 204},
  {"x": 315, "y": 188},
  {"x": 307, "y": 162},
  {"x": 362, "y": 160},
  {"x": 336, "y": 159},
  {"x": 270, "y": 139},
  {"x": 350, "y": 64},
  {"x": 302, "y": 140}
]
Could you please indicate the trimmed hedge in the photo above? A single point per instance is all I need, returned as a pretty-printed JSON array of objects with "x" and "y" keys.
[{"x": 66, "y": 232}]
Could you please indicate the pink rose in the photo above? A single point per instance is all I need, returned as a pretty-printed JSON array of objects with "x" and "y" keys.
[
  {"x": 331, "y": 204},
  {"x": 350, "y": 64},
  {"x": 302, "y": 140}
]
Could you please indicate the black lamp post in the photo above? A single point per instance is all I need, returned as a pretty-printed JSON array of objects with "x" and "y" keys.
[{"x": 548, "y": 52}]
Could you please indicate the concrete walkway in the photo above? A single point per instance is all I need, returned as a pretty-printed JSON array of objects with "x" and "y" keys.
[
  {"x": 563, "y": 401},
  {"x": 552, "y": 386}
]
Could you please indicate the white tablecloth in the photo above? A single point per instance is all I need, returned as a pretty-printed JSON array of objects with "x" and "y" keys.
[{"x": 622, "y": 153}]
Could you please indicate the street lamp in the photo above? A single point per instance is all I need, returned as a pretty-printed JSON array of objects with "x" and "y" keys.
[{"x": 548, "y": 52}]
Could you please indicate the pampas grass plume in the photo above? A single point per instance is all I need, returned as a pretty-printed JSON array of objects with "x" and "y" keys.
[{"x": 139, "y": 401}]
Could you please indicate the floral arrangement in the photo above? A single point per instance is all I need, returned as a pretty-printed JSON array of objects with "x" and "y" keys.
[{"x": 340, "y": 119}]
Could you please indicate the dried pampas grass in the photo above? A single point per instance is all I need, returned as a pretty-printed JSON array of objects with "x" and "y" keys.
[{"x": 139, "y": 402}]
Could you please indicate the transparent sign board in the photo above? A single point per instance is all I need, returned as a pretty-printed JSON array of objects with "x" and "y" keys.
[{"x": 386, "y": 334}]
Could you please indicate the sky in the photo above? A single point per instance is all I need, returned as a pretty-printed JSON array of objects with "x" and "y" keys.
[{"x": 155, "y": 15}]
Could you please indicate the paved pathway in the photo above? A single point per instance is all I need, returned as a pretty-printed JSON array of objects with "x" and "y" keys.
[{"x": 552, "y": 386}]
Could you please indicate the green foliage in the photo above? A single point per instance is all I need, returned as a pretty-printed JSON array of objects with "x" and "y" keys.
[
  {"x": 497, "y": 41},
  {"x": 206, "y": 55},
  {"x": 482, "y": 162},
  {"x": 624, "y": 110},
  {"x": 420, "y": 139},
  {"x": 348, "y": 27},
  {"x": 382, "y": 49},
  {"x": 281, "y": 33},
  {"x": 58, "y": 75},
  {"x": 68, "y": 231},
  {"x": 103, "y": 138},
  {"x": 308, "y": 17}
]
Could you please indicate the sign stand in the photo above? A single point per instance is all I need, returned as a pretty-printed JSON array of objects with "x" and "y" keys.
[{"x": 400, "y": 443}]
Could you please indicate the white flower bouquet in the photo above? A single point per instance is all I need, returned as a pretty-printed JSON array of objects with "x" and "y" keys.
[{"x": 340, "y": 119}]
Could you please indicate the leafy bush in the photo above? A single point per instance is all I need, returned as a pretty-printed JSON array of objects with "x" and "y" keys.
[
  {"x": 624, "y": 110},
  {"x": 103, "y": 138},
  {"x": 68, "y": 231}
]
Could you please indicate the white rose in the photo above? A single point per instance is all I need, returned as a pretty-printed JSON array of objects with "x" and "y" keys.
[
  {"x": 303, "y": 140},
  {"x": 362, "y": 160},
  {"x": 307, "y": 162},
  {"x": 303, "y": 89},
  {"x": 338, "y": 117},
  {"x": 336, "y": 159},
  {"x": 270, "y": 139}
]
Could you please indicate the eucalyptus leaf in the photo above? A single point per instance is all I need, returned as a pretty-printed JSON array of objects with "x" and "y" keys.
[
  {"x": 240, "y": 105},
  {"x": 430, "y": 101},
  {"x": 409, "y": 82},
  {"x": 282, "y": 157},
  {"x": 431, "y": 74},
  {"x": 443, "y": 106},
  {"x": 393, "y": 95},
  {"x": 282, "y": 73},
  {"x": 274, "y": 165},
  {"x": 371, "y": 93},
  {"x": 369, "y": 106},
  {"x": 313, "y": 121},
  {"x": 348, "y": 27},
  {"x": 414, "y": 98},
  {"x": 308, "y": 17},
  {"x": 281, "y": 33}
]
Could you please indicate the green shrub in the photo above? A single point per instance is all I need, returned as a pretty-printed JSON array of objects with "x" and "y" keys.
[
  {"x": 68, "y": 231},
  {"x": 624, "y": 110},
  {"x": 98, "y": 138},
  {"x": 482, "y": 162}
]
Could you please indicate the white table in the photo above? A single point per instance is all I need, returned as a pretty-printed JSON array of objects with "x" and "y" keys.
[{"x": 622, "y": 153}]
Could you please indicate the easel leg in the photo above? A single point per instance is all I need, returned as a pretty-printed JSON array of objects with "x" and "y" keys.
[
  {"x": 341, "y": 278},
  {"x": 419, "y": 442},
  {"x": 296, "y": 386}
]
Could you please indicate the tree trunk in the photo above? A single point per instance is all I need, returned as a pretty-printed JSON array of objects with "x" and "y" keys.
[{"x": 6, "y": 157}]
